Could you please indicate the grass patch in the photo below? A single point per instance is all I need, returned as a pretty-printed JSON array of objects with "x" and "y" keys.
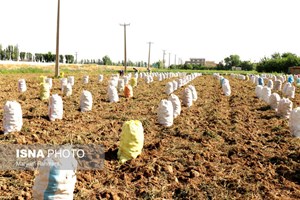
[{"x": 24, "y": 70}]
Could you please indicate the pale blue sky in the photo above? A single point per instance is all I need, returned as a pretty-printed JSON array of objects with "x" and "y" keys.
[{"x": 211, "y": 29}]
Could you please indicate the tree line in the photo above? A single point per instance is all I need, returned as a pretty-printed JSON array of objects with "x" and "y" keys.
[{"x": 13, "y": 53}]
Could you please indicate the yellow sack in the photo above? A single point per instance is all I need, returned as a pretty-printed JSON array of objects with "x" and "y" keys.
[
  {"x": 62, "y": 74},
  {"x": 43, "y": 79},
  {"x": 44, "y": 91},
  {"x": 131, "y": 141},
  {"x": 133, "y": 82}
]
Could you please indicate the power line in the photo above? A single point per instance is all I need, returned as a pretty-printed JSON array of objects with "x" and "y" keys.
[
  {"x": 149, "y": 55},
  {"x": 125, "y": 53}
]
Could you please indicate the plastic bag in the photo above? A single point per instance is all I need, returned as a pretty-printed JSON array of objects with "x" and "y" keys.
[
  {"x": 165, "y": 113},
  {"x": 169, "y": 88},
  {"x": 121, "y": 85},
  {"x": 131, "y": 140},
  {"x": 86, "y": 101},
  {"x": 176, "y": 105},
  {"x": 187, "y": 97},
  {"x": 12, "y": 117},
  {"x": 285, "y": 107},
  {"x": 133, "y": 82},
  {"x": 67, "y": 90},
  {"x": 277, "y": 85},
  {"x": 258, "y": 91},
  {"x": 55, "y": 108},
  {"x": 294, "y": 122},
  {"x": 71, "y": 80},
  {"x": 112, "y": 94},
  {"x": 44, "y": 91},
  {"x": 194, "y": 92},
  {"x": 266, "y": 93},
  {"x": 175, "y": 85},
  {"x": 85, "y": 79},
  {"x": 128, "y": 91},
  {"x": 49, "y": 81},
  {"x": 274, "y": 101},
  {"x": 270, "y": 84},
  {"x": 22, "y": 85},
  {"x": 55, "y": 179},
  {"x": 290, "y": 91},
  {"x": 63, "y": 83},
  {"x": 100, "y": 78},
  {"x": 226, "y": 88},
  {"x": 261, "y": 81}
]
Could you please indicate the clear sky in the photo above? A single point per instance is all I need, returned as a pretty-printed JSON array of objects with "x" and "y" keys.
[{"x": 211, "y": 29}]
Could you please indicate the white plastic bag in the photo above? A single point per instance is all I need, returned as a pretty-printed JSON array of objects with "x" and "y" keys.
[
  {"x": 12, "y": 117},
  {"x": 112, "y": 94},
  {"x": 100, "y": 78},
  {"x": 270, "y": 84},
  {"x": 226, "y": 87},
  {"x": 169, "y": 88},
  {"x": 290, "y": 91},
  {"x": 258, "y": 91},
  {"x": 71, "y": 80},
  {"x": 86, "y": 101},
  {"x": 187, "y": 97},
  {"x": 55, "y": 108},
  {"x": 266, "y": 93},
  {"x": 175, "y": 85},
  {"x": 67, "y": 90},
  {"x": 285, "y": 87},
  {"x": 294, "y": 122},
  {"x": 121, "y": 85},
  {"x": 56, "y": 178},
  {"x": 85, "y": 79},
  {"x": 274, "y": 101},
  {"x": 194, "y": 92},
  {"x": 22, "y": 85},
  {"x": 165, "y": 113},
  {"x": 49, "y": 81},
  {"x": 285, "y": 107},
  {"x": 277, "y": 85},
  {"x": 176, "y": 105},
  {"x": 63, "y": 83}
]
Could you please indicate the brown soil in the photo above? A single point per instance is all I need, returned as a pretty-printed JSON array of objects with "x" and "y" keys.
[{"x": 221, "y": 148}]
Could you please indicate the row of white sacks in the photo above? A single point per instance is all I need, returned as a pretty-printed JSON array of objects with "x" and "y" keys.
[
  {"x": 172, "y": 86},
  {"x": 224, "y": 84},
  {"x": 282, "y": 106},
  {"x": 170, "y": 108}
]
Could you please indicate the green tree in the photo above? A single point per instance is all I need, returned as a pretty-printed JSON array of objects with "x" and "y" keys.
[
  {"x": 247, "y": 65},
  {"x": 61, "y": 58},
  {"x": 22, "y": 55},
  {"x": 106, "y": 60},
  {"x": 231, "y": 61},
  {"x": 15, "y": 53}
]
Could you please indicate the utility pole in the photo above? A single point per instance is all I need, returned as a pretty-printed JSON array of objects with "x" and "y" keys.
[
  {"x": 76, "y": 56},
  {"x": 164, "y": 53},
  {"x": 57, "y": 42},
  {"x": 169, "y": 59},
  {"x": 148, "y": 68},
  {"x": 125, "y": 53},
  {"x": 175, "y": 60}
]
